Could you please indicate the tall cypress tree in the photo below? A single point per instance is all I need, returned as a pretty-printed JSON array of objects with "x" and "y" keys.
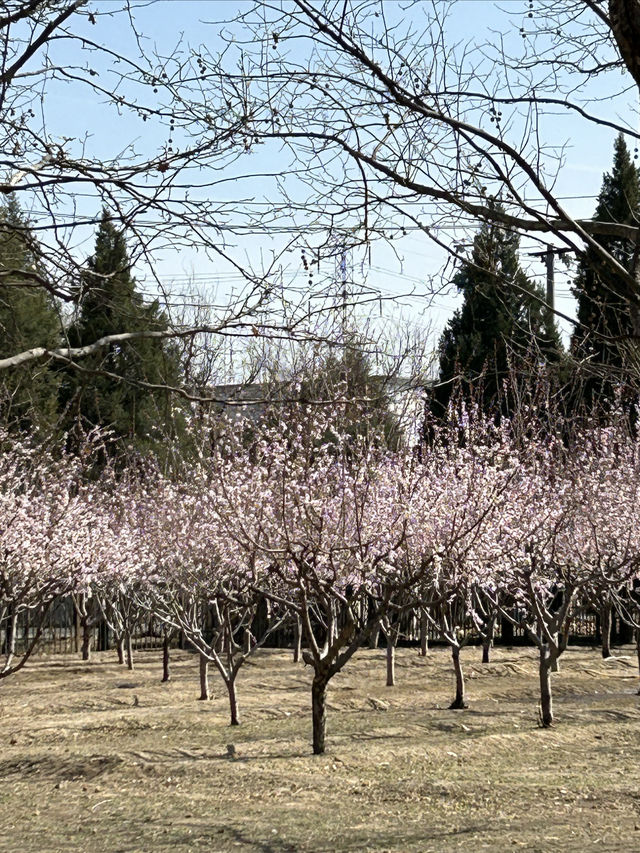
[
  {"x": 602, "y": 341},
  {"x": 501, "y": 328},
  {"x": 28, "y": 318},
  {"x": 107, "y": 392}
]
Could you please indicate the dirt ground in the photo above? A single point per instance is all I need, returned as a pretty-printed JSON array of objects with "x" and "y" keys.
[{"x": 96, "y": 758}]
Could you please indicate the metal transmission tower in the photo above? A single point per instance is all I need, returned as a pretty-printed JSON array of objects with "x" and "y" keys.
[
  {"x": 344, "y": 281},
  {"x": 344, "y": 285}
]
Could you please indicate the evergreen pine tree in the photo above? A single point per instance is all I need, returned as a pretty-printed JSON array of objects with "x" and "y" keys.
[
  {"x": 602, "y": 340},
  {"x": 108, "y": 303},
  {"x": 501, "y": 329},
  {"x": 28, "y": 318}
]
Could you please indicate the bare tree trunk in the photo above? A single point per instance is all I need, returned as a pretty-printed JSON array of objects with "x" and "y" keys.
[
  {"x": 120, "y": 649},
  {"x": 246, "y": 642},
  {"x": 166, "y": 651},
  {"x": 76, "y": 628},
  {"x": 374, "y": 636},
  {"x": 605, "y": 629},
  {"x": 424, "y": 634},
  {"x": 205, "y": 695},
  {"x": 638, "y": 652},
  {"x": 332, "y": 631},
  {"x": 459, "y": 702},
  {"x": 129, "y": 650},
  {"x": 487, "y": 641},
  {"x": 86, "y": 639},
  {"x": 391, "y": 663},
  {"x": 319, "y": 713},
  {"x": 546, "y": 704},
  {"x": 297, "y": 639},
  {"x": 10, "y": 638},
  {"x": 233, "y": 701}
]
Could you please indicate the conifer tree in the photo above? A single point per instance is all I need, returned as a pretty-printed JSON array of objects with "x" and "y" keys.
[
  {"x": 501, "y": 329},
  {"x": 28, "y": 318},
  {"x": 106, "y": 392},
  {"x": 602, "y": 341}
]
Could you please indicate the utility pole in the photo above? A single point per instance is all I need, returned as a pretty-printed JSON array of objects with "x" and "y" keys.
[
  {"x": 550, "y": 279},
  {"x": 548, "y": 256}
]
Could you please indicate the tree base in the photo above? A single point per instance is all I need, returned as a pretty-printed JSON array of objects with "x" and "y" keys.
[{"x": 458, "y": 705}]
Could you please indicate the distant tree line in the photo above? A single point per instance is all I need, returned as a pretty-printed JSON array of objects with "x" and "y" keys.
[
  {"x": 125, "y": 389},
  {"x": 494, "y": 353}
]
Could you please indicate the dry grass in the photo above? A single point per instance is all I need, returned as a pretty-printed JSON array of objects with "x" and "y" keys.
[{"x": 99, "y": 759}]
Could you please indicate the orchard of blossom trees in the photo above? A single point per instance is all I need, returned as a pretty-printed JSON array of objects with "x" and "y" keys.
[{"x": 303, "y": 526}]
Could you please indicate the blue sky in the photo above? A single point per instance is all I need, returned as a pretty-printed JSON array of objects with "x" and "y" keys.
[{"x": 397, "y": 269}]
